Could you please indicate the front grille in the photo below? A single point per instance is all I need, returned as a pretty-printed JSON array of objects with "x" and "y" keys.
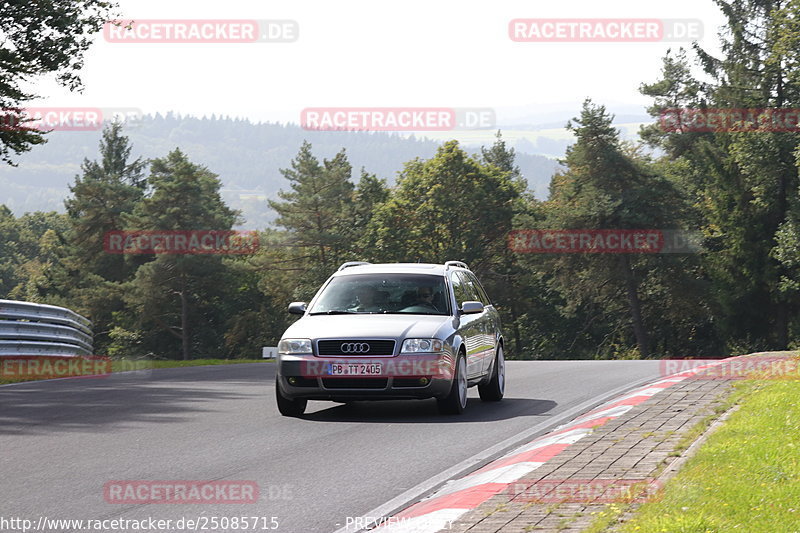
[
  {"x": 334, "y": 347},
  {"x": 354, "y": 383}
]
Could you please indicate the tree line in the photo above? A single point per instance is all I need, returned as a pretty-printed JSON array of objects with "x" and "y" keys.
[{"x": 738, "y": 188}]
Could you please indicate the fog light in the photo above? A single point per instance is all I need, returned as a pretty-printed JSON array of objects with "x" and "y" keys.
[
  {"x": 292, "y": 381},
  {"x": 423, "y": 381}
]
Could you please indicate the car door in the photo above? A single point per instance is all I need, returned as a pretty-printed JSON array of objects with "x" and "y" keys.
[
  {"x": 469, "y": 326},
  {"x": 487, "y": 326}
]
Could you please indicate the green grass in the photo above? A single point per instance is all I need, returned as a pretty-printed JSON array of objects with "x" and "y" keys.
[
  {"x": 605, "y": 518},
  {"x": 125, "y": 365},
  {"x": 745, "y": 477}
]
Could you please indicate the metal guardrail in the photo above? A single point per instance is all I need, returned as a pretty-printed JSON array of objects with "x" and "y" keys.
[{"x": 37, "y": 329}]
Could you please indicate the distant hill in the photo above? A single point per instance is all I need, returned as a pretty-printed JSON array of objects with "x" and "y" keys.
[{"x": 246, "y": 156}]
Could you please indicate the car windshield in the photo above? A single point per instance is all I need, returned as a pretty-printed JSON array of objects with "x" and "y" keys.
[{"x": 384, "y": 293}]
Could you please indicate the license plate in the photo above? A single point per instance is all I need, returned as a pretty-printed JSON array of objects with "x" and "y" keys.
[{"x": 355, "y": 369}]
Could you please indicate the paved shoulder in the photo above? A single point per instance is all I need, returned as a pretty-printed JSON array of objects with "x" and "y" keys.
[
  {"x": 617, "y": 462},
  {"x": 603, "y": 456}
]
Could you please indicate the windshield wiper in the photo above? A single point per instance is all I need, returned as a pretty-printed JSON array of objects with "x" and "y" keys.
[{"x": 335, "y": 312}]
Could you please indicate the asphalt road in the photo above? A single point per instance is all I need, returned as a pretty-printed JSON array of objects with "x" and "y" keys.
[{"x": 61, "y": 441}]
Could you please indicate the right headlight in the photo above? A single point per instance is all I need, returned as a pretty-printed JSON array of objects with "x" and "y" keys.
[
  {"x": 421, "y": 346},
  {"x": 295, "y": 347}
]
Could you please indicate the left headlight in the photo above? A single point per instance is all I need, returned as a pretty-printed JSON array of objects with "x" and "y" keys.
[
  {"x": 295, "y": 347},
  {"x": 422, "y": 346}
]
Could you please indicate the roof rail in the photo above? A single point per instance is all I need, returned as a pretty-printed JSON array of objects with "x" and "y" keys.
[
  {"x": 352, "y": 264},
  {"x": 459, "y": 264}
]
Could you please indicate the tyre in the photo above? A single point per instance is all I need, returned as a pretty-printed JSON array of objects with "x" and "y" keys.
[
  {"x": 456, "y": 400},
  {"x": 287, "y": 406},
  {"x": 493, "y": 390}
]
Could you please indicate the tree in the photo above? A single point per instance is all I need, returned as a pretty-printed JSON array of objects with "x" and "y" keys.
[
  {"x": 605, "y": 187},
  {"x": 369, "y": 194},
  {"x": 503, "y": 158},
  {"x": 787, "y": 250},
  {"x": 181, "y": 295},
  {"x": 742, "y": 183},
  {"x": 505, "y": 280},
  {"x": 448, "y": 207},
  {"x": 106, "y": 191},
  {"x": 316, "y": 210},
  {"x": 9, "y": 254},
  {"x": 41, "y": 38},
  {"x": 39, "y": 251},
  {"x": 266, "y": 282}
]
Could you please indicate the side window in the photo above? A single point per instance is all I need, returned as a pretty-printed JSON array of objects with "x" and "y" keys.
[
  {"x": 459, "y": 289},
  {"x": 469, "y": 289},
  {"x": 476, "y": 285}
]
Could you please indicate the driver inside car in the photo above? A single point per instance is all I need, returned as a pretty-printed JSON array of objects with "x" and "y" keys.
[{"x": 425, "y": 297}]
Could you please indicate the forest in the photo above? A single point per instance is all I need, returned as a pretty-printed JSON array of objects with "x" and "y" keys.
[{"x": 735, "y": 186}]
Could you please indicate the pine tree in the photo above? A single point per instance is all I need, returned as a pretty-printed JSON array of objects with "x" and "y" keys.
[
  {"x": 100, "y": 197},
  {"x": 604, "y": 187},
  {"x": 504, "y": 281},
  {"x": 181, "y": 295},
  {"x": 316, "y": 210},
  {"x": 370, "y": 193},
  {"x": 743, "y": 183}
]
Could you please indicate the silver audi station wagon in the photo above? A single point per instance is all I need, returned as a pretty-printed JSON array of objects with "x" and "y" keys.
[{"x": 392, "y": 331}]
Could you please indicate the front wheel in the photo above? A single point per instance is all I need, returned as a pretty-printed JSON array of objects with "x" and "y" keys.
[
  {"x": 288, "y": 406},
  {"x": 493, "y": 390},
  {"x": 455, "y": 402}
]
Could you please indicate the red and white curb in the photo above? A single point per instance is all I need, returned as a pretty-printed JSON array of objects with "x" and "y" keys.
[{"x": 459, "y": 496}]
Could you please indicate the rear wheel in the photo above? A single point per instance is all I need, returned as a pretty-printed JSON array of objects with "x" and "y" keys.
[
  {"x": 455, "y": 402},
  {"x": 493, "y": 390},
  {"x": 288, "y": 406}
]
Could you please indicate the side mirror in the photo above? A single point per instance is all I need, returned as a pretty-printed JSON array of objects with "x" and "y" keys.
[
  {"x": 471, "y": 307},
  {"x": 297, "y": 308}
]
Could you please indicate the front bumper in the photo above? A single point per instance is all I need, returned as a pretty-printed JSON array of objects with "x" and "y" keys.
[{"x": 400, "y": 377}]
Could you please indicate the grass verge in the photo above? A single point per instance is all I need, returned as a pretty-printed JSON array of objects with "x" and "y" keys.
[{"x": 745, "y": 477}]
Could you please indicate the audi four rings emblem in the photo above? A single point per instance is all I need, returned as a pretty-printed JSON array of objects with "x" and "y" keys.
[{"x": 354, "y": 347}]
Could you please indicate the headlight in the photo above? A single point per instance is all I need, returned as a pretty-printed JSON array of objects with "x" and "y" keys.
[
  {"x": 295, "y": 346},
  {"x": 422, "y": 345}
]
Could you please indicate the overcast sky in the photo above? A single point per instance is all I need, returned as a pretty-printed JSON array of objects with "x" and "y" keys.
[{"x": 370, "y": 53}]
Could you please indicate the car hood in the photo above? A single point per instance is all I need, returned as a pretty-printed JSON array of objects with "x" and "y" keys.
[{"x": 367, "y": 326}]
